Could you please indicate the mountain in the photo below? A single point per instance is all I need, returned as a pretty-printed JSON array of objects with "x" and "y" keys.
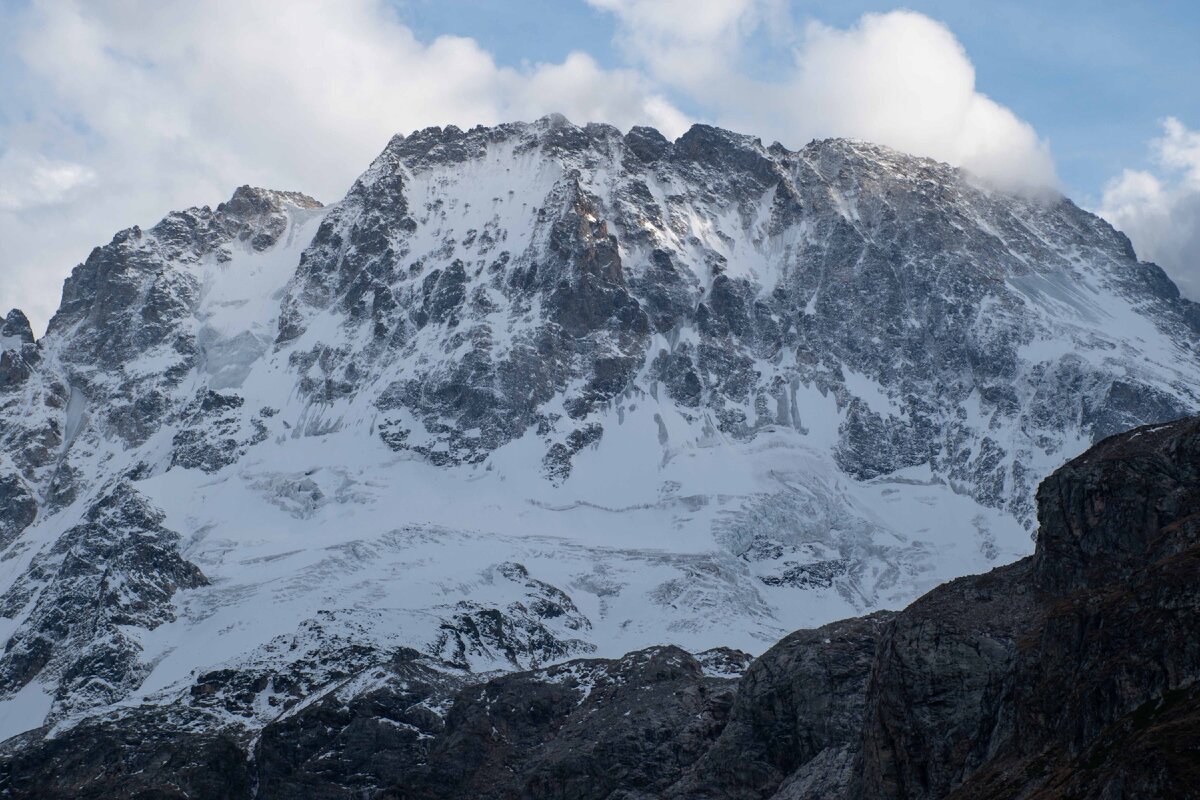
[
  {"x": 1070, "y": 673},
  {"x": 537, "y": 392}
]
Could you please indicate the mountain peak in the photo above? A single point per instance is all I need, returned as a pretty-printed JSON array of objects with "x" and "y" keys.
[
  {"x": 248, "y": 200},
  {"x": 578, "y": 391},
  {"x": 15, "y": 329},
  {"x": 702, "y": 144}
]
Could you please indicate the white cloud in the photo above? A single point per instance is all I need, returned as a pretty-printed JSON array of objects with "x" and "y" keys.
[
  {"x": 133, "y": 109},
  {"x": 899, "y": 79},
  {"x": 1179, "y": 148},
  {"x": 30, "y": 180},
  {"x": 692, "y": 45},
  {"x": 904, "y": 80},
  {"x": 1161, "y": 212},
  {"x": 584, "y": 92},
  {"x": 121, "y": 111}
]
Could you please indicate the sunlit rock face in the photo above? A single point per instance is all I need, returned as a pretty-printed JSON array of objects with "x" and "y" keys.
[{"x": 539, "y": 391}]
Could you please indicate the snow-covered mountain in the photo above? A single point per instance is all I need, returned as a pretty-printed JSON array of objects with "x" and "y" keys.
[{"x": 538, "y": 391}]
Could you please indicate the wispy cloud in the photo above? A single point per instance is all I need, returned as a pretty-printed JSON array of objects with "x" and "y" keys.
[
  {"x": 1160, "y": 209},
  {"x": 30, "y": 180}
]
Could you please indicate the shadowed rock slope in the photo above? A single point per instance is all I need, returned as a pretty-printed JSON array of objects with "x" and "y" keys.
[{"x": 1072, "y": 673}]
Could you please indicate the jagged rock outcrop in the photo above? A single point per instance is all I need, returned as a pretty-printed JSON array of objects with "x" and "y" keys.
[
  {"x": 797, "y": 716},
  {"x": 586, "y": 729},
  {"x": 114, "y": 573},
  {"x": 1024, "y": 682},
  {"x": 19, "y": 357},
  {"x": 740, "y": 256},
  {"x": 15, "y": 330}
]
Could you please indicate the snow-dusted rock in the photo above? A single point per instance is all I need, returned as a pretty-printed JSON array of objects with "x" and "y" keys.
[{"x": 538, "y": 391}]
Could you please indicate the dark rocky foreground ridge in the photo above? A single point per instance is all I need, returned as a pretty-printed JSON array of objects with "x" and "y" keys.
[{"x": 1071, "y": 673}]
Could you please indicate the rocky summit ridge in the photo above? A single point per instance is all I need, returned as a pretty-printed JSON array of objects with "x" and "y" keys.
[{"x": 537, "y": 392}]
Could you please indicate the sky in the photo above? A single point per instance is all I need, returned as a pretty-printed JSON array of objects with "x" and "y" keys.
[{"x": 114, "y": 112}]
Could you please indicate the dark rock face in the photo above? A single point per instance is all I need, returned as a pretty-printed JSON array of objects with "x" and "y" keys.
[
  {"x": 798, "y": 715},
  {"x": 18, "y": 508},
  {"x": 16, "y": 328},
  {"x": 762, "y": 268},
  {"x": 1125, "y": 503},
  {"x": 1103, "y": 699},
  {"x": 216, "y": 433},
  {"x": 1072, "y": 673},
  {"x": 938, "y": 682},
  {"x": 585, "y": 729},
  {"x": 121, "y": 565},
  {"x": 358, "y": 741},
  {"x": 19, "y": 357},
  {"x": 1050, "y": 666},
  {"x": 142, "y": 755}
]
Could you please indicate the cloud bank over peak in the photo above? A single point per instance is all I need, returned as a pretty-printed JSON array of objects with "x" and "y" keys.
[
  {"x": 1160, "y": 209},
  {"x": 116, "y": 113},
  {"x": 903, "y": 80},
  {"x": 899, "y": 79}
]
